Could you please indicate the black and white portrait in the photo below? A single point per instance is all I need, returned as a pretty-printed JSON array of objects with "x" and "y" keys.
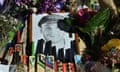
[{"x": 46, "y": 34}]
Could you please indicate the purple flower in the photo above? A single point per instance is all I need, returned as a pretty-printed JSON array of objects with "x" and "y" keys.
[
  {"x": 85, "y": 14},
  {"x": 111, "y": 57},
  {"x": 22, "y": 1},
  {"x": 114, "y": 60}
]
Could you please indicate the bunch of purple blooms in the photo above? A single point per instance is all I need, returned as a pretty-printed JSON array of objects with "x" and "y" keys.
[
  {"x": 22, "y": 1},
  {"x": 111, "y": 58},
  {"x": 47, "y": 5},
  {"x": 41, "y": 6}
]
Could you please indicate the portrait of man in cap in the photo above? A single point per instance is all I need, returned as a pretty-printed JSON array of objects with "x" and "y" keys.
[{"x": 47, "y": 30}]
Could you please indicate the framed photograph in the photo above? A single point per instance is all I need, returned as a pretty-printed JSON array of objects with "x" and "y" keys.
[{"x": 47, "y": 36}]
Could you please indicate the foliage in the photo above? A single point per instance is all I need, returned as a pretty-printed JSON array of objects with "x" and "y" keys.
[
  {"x": 99, "y": 20},
  {"x": 8, "y": 28},
  {"x": 90, "y": 26}
]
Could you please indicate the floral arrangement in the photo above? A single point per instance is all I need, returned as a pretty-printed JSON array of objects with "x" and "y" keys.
[
  {"x": 111, "y": 58},
  {"x": 19, "y": 8},
  {"x": 93, "y": 27},
  {"x": 111, "y": 53}
]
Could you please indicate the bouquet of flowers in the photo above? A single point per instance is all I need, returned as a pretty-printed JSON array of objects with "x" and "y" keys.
[{"x": 111, "y": 53}]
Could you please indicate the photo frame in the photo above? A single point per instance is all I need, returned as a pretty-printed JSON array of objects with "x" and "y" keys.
[{"x": 36, "y": 34}]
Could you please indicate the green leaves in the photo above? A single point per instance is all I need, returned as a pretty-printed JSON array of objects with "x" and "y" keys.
[
  {"x": 96, "y": 24},
  {"x": 99, "y": 20},
  {"x": 8, "y": 27}
]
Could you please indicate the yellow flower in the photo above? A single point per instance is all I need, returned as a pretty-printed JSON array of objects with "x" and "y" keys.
[{"x": 111, "y": 43}]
